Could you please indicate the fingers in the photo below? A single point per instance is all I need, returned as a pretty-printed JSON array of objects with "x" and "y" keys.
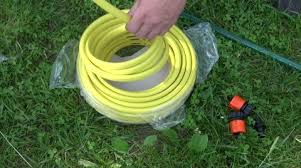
[
  {"x": 135, "y": 23},
  {"x": 150, "y": 18},
  {"x": 159, "y": 30},
  {"x": 144, "y": 30},
  {"x": 150, "y": 31},
  {"x": 139, "y": 26},
  {"x": 165, "y": 29},
  {"x": 146, "y": 25}
]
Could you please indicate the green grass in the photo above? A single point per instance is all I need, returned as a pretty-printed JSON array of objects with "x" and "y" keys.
[{"x": 56, "y": 128}]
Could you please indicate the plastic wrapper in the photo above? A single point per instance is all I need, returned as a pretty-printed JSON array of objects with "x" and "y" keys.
[
  {"x": 64, "y": 75},
  {"x": 3, "y": 58},
  {"x": 204, "y": 42}
]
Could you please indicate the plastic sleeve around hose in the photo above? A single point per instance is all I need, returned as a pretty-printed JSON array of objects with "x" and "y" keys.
[
  {"x": 247, "y": 43},
  {"x": 106, "y": 36}
]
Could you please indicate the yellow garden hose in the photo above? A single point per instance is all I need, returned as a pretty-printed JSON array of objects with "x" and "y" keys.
[{"x": 102, "y": 39}]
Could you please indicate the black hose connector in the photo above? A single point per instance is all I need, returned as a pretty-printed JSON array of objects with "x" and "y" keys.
[
  {"x": 236, "y": 116},
  {"x": 260, "y": 127},
  {"x": 247, "y": 109}
]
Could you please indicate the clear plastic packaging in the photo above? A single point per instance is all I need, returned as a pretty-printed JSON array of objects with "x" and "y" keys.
[
  {"x": 64, "y": 74},
  {"x": 204, "y": 42},
  {"x": 3, "y": 58}
]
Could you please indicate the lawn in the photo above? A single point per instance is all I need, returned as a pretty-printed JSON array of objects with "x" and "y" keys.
[{"x": 57, "y": 128}]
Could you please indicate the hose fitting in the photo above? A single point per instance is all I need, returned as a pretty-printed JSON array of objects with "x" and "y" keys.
[{"x": 240, "y": 111}]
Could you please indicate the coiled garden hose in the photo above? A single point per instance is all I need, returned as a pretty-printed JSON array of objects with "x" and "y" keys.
[{"x": 106, "y": 36}]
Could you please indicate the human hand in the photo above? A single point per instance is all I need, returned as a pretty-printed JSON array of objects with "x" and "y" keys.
[{"x": 150, "y": 18}]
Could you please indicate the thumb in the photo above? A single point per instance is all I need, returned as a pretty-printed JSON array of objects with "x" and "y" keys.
[{"x": 134, "y": 7}]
